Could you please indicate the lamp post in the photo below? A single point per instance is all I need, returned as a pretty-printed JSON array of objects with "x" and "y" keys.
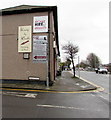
[{"x": 79, "y": 66}]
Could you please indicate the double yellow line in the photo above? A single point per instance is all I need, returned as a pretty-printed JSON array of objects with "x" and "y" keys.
[{"x": 51, "y": 91}]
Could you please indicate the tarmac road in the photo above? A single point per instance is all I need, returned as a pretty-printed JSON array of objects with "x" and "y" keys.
[
  {"x": 56, "y": 105},
  {"x": 102, "y": 80},
  {"x": 99, "y": 79}
]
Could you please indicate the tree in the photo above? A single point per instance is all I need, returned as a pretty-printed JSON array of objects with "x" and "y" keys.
[
  {"x": 71, "y": 50},
  {"x": 93, "y": 60},
  {"x": 62, "y": 64},
  {"x": 82, "y": 64},
  {"x": 68, "y": 62}
]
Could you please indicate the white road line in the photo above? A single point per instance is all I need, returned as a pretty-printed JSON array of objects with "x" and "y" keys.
[
  {"x": 64, "y": 107},
  {"x": 92, "y": 94},
  {"x": 31, "y": 95},
  {"x": 101, "y": 97},
  {"x": 26, "y": 95}
]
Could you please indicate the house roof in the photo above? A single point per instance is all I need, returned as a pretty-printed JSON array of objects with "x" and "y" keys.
[{"x": 22, "y": 9}]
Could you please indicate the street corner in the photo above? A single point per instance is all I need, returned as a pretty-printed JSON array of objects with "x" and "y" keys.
[
  {"x": 91, "y": 86},
  {"x": 62, "y": 85}
]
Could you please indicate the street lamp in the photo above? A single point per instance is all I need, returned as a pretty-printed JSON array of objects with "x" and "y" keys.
[{"x": 79, "y": 66}]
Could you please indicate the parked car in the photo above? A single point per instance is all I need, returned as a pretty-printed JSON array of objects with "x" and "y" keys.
[{"x": 101, "y": 70}]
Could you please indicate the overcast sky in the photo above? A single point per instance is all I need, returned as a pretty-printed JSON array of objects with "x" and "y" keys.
[{"x": 83, "y": 22}]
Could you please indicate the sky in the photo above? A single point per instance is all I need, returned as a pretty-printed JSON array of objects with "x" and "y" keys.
[{"x": 85, "y": 23}]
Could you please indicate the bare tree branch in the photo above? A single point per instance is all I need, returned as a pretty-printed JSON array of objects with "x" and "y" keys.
[{"x": 71, "y": 50}]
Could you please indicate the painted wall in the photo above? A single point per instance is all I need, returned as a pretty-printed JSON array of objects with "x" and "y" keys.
[{"x": 14, "y": 66}]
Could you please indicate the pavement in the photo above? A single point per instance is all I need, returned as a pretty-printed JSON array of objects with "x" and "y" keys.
[{"x": 64, "y": 83}]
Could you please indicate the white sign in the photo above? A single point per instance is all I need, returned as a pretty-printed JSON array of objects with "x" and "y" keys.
[
  {"x": 40, "y": 24},
  {"x": 39, "y": 48},
  {"x": 24, "y": 39}
]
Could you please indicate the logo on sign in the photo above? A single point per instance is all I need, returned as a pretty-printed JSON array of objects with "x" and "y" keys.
[{"x": 40, "y": 24}]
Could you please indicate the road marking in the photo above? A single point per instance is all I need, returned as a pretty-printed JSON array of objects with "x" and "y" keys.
[
  {"x": 65, "y": 107},
  {"x": 84, "y": 86},
  {"x": 92, "y": 94},
  {"x": 31, "y": 95},
  {"x": 86, "y": 80},
  {"x": 77, "y": 83},
  {"x": 48, "y": 91},
  {"x": 61, "y": 107},
  {"x": 99, "y": 88},
  {"x": 103, "y": 97},
  {"x": 26, "y": 95}
]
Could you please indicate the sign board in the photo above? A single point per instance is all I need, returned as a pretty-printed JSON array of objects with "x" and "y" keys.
[
  {"x": 24, "y": 39},
  {"x": 40, "y": 24},
  {"x": 40, "y": 48}
]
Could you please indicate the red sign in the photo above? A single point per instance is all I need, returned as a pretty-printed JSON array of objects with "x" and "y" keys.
[{"x": 40, "y": 57}]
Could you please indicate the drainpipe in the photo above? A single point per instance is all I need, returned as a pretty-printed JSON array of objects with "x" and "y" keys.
[{"x": 48, "y": 52}]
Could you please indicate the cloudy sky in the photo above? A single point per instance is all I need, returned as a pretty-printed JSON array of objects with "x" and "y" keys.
[{"x": 83, "y": 22}]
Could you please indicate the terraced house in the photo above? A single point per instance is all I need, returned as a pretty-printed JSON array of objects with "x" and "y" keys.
[{"x": 30, "y": 44}]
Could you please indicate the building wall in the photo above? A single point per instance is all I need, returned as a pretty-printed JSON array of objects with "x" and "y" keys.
[
  {"x": 14, "y": 66},
  {"x": 52, "y": 37},
  {"x": 0, "y": 47}
]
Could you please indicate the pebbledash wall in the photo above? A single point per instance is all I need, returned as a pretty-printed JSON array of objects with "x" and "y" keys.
[{"x": 29, "y": 40}]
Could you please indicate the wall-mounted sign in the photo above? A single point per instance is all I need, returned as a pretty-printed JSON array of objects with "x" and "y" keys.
[
  {"x": 24, "y": 39},
  {"x": 39, "y": 48},
  {"x": 40, "y": 24}
]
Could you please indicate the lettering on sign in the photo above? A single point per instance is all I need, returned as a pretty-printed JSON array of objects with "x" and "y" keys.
[
  {"x": 39, "y": 49},
  {"x": 24, "y": 38},
  {"x": 40, "y": 24}
]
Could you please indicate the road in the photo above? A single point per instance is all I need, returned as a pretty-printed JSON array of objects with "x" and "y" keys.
[
  {"x": 58, "y": 105},
  {"x": 101, "y": 80}
]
